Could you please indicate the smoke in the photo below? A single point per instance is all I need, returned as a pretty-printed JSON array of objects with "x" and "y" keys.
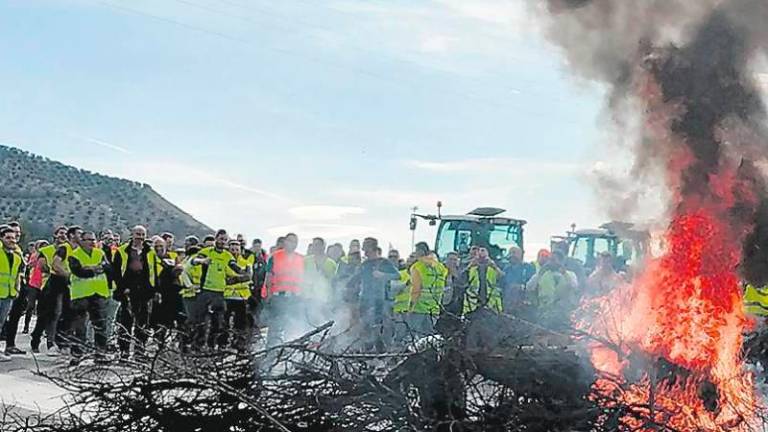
[{"x": 683, "y": 71}]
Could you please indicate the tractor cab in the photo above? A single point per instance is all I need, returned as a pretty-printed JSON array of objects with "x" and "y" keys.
[
  {"x": 628, "y": 246},
  {"x": 483, "y": 227}
]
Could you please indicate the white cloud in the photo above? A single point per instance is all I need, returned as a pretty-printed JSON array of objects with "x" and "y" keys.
[
  {"x": 437, "y": 43},
  {"x": 440, "y": 34},
  {"x": 166, "y": 173},
  {"x": 403, "y": 199},
  {"x": 501, "y": 12},
  {"x": 324, "y": 212}
]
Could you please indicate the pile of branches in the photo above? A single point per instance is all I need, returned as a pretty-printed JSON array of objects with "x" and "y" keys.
[{"x": 486, "y": 373}]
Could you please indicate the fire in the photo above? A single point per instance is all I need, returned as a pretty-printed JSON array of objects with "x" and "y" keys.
[
  {"x": 669, "y": 343},
  {"x": 684, "y": 312}
]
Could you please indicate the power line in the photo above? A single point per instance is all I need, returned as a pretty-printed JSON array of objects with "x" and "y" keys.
[
  {"x": 171, "y": 21},
  {"x": 307, "y": 24},
  {"x": 486, "y": 103}
]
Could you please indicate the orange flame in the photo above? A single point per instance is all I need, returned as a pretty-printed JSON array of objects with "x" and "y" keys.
[{"x": 684, "y": 309}]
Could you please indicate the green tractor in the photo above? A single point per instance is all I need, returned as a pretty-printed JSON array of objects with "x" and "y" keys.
[
  {"x": 626, "y": 244},
  {"x": 481, "y": 227}
]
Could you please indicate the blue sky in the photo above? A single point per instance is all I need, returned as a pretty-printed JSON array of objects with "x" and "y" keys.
[{"x": 327, "y": 118}]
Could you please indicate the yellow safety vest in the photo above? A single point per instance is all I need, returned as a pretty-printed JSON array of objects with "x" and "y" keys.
[
  {"x": 552, "y": 288},
  {"x": 756, "y": 300},
  {"x": 472, "y": 298},
  {"x": 190, "y": 278},
  {"x": 316, "y": 281},
  {"x": 9, "y": 274},
  {"x": 433, "y": 278},
  {"x": 239, "y": 290},
  {"x": 155, "y": 267},
  {"x": 47, "y": 252},
  {"x": 403, "y": 297},
  {"x": 216, "y": 274},
  {"x": 87, "y": 287}
]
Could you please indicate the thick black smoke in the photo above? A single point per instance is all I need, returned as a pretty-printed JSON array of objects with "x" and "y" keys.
[{"x": 700, "y": 54}]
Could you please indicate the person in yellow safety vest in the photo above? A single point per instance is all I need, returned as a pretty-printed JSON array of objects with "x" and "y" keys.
[
  {"x": 555, "y": 289},
  {"x": 11, "y": 269},
  {"x": 428, "y": 278},
  {"x": 61, "y": 267},
  {"x": 109, "y": 245},
  {"x": 169, "y": 242},
  {"x": 209, "y": 301},
  {"x": 19, "y": 305},
  {"x": 190, "y": 274},
  {"x": 403, "y": 288},
  {"x": 237, "y": 293},
  {"x": 190, "y": 283},
  {"x": 541, "y": 259},
  {"x": 335, "y": 252},
  {"x": 49, "y": 308},
  {"x": 319, "y": 272},
  {"x": 756, "y": 300},
  {"x": 89, "y": 291},
  {"x": 483, "y": 290}
]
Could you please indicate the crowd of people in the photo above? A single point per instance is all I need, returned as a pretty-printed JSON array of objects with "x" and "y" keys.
[{"x": 93, "y": 293}]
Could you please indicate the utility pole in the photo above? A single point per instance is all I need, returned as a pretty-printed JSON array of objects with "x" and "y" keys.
[{"x": 413, "y": 228}]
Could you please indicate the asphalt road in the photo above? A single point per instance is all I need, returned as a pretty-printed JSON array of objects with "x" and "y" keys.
[{"x": 21, "y": 387}]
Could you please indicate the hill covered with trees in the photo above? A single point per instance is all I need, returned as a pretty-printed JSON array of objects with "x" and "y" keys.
[{"x": 42, "y": 193}]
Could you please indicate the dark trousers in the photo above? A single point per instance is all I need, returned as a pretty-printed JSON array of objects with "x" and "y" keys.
[
  {"x": 93, "y": 308},
  {"x": 33, "y": 294},
  {"x": 50, "y": 309},
  {"x": 206, "y": 305},
  {"x": 166, "y": 314},
  {"x": 11, "y": 326},
  {"x": 64, "y": 327},
  {"x": 285, "y": 318},
  {"x": 372, "y": 325},
  {"x": 133, "y": 322},
  {"x": 238, "y": 323}
]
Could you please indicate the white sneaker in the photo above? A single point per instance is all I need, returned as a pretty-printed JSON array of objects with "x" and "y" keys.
[
  {"x": 53, "y": 351},
  {"x": 4, "y": 357}
]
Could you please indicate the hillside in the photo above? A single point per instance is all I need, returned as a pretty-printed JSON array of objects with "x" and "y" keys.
[{"x": 42, "y": 193}]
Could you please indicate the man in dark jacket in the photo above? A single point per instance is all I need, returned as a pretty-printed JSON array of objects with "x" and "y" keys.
[
  {"x": 371, "y": 281},
  {"x": 133, "y": 291}
]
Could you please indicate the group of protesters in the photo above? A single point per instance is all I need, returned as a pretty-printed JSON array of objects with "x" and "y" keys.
[{"x": 93, "y": 293}]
